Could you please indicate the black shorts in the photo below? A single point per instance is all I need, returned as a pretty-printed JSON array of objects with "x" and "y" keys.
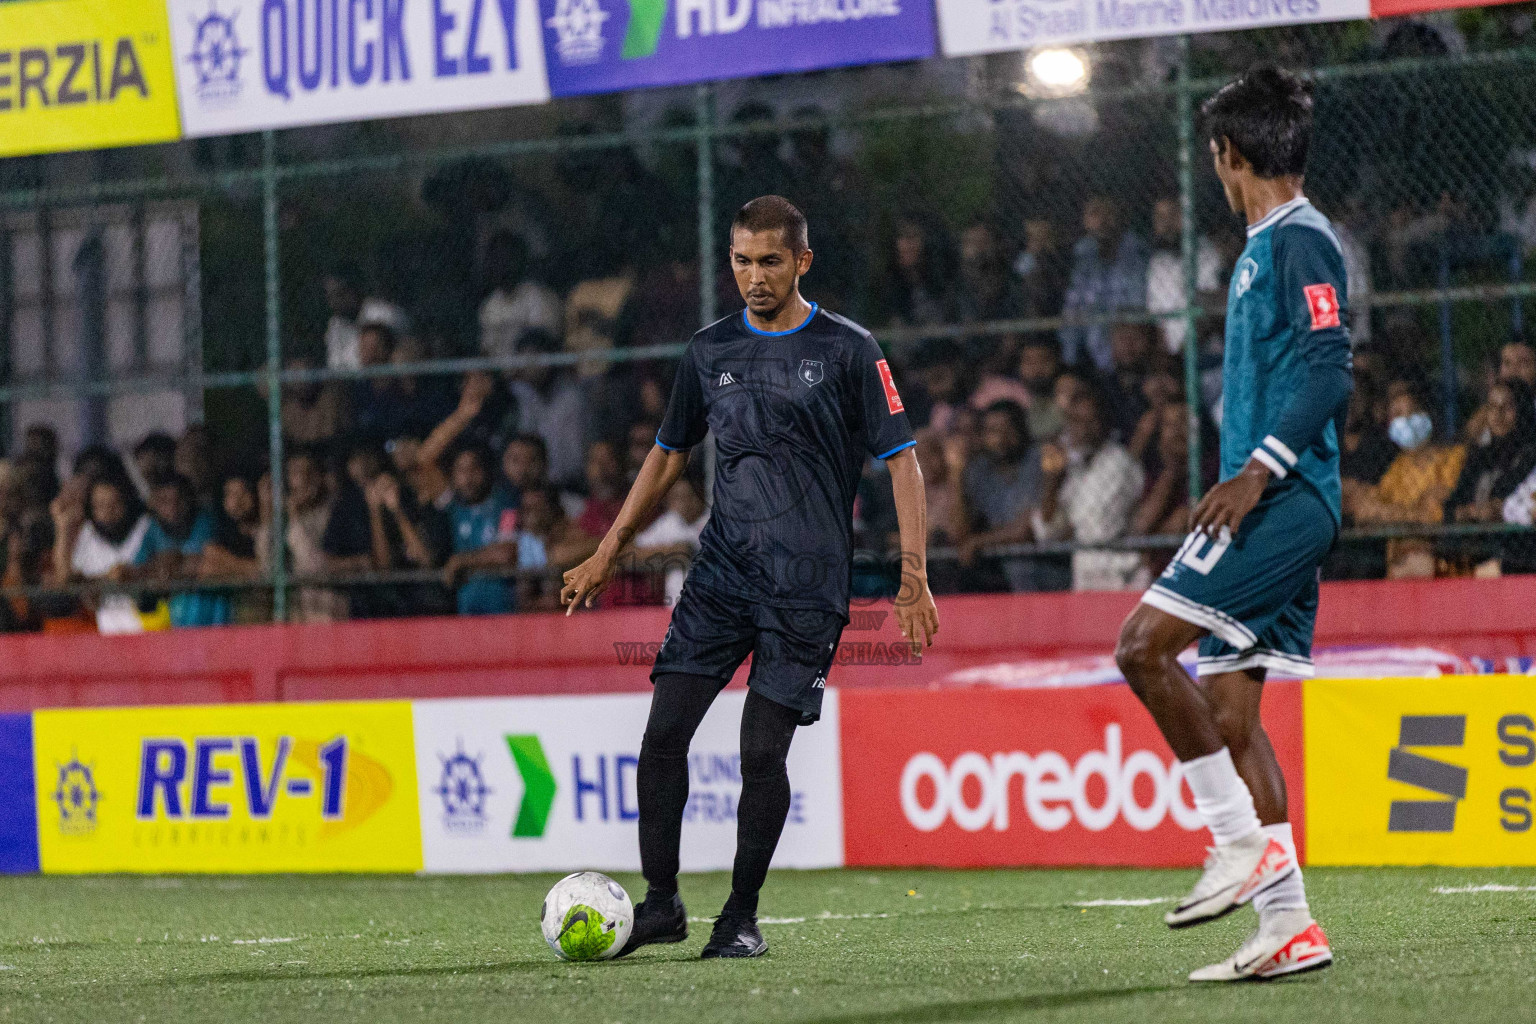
[{"x": 792, "y": 649}]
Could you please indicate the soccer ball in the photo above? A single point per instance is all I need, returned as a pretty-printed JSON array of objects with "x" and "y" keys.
[{"x": 587, "y": 916}]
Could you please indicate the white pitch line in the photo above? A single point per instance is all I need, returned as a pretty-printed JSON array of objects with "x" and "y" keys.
[
  {"x": 1459, "y": 890},
  {"x": 1147, "y": 902},
  {"x": 825, "y": 915},
  {"x": 260, "y": 942}
]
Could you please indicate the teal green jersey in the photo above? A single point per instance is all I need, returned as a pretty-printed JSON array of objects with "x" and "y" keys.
[{"x": 1287, "y": 370}]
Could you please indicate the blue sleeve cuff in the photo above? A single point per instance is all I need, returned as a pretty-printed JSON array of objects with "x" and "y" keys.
[
  {"x": 662, "y": 444},
  {"x": 899, "y": 448}
]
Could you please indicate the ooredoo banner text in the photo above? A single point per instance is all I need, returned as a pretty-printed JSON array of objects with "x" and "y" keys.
[{"x": 995, "y": 778}]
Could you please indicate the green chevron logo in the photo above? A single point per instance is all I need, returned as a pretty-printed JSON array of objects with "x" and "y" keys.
[
  {"x": 538, "y": 786},
  {"x": 644, "y": 32}
]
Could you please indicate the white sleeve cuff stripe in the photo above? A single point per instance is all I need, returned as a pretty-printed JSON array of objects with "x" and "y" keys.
[
  {"x": 1270, "y": 461},
  {"x": 1280, "y": 448}
]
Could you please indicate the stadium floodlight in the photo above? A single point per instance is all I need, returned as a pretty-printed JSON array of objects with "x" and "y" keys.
[{"x": 1056, "y": 71}]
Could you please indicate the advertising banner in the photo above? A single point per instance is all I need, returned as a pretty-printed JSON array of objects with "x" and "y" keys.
[
  {"x": 18, "y": 804},
  {"x": 1417, "y": 771},
  {"x": 995, "y": 778},
  {"x": 228, "y": 788},
  {"x": 84, "y": 74},
  {"x": 549, "y": 784},
  {"x": 610, "y": 45},
  {"x": 989, "y": 26},
  {"x": 279, "y": 63}
]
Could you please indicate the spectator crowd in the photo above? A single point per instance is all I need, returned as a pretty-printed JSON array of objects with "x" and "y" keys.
[{"x": 411, "y": 494}]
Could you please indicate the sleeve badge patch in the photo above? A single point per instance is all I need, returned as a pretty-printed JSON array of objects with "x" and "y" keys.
[
  {"x": 1323, "y": 303},
  {"x": 892, "y": 399}
]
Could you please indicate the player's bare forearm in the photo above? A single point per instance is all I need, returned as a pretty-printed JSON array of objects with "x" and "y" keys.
[
  {"x": 915, "y": 611},
  {"x": 586, "y": 581},
  {"x": 657, "y": 475}
]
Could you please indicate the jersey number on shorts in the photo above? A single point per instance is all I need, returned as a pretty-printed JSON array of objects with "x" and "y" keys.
[{"x": 1190, "y": 554}]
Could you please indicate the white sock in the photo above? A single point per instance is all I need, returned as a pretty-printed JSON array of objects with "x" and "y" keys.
[
  {"x": 1221, "y": 797},
  {"x": 1288, "y": 894}
]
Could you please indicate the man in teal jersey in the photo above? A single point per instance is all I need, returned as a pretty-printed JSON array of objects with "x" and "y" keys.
[{"x": 1245, "y": 582}]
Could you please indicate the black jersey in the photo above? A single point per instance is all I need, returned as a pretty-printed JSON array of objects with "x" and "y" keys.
[{"x": 794, "y": 415}]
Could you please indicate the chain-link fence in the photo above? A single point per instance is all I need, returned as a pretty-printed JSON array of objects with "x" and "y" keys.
[{"x": 536, "y": 270}]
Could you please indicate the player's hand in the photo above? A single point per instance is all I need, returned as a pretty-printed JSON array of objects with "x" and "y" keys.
[
  {"x": 586, "y": 582},
  {"x": 1229, "y": 502},
  {"x": 915, "y": 611}
]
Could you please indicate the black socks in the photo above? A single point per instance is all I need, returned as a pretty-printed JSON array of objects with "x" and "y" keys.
[{"x": 767, "y": 728}]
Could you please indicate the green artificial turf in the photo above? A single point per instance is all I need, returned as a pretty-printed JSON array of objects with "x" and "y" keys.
[{"x": 845, "y": 946}]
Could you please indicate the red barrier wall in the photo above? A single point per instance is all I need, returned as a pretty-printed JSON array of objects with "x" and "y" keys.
[{"x": 554, "y": 654}]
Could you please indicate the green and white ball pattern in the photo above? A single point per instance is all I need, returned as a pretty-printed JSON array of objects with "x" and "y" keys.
[{"x": 587, "y": 916}]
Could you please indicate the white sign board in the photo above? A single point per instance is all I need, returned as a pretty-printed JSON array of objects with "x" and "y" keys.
[
  {"x": 549, "y": 784},
  {"x": 246, "y": 65},
  {"x": 969, "y": 27}
]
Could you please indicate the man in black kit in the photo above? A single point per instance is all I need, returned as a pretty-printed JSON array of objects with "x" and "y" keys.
[{"x": 797, "y": 398}]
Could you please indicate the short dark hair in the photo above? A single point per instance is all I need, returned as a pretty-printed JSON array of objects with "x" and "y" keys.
[
  {"x": 104, "y": 459},
  {"x": 769, "y": 213},
  {"x": 479, "y": 449},
  {"x": 158, "y": 442},
  {"x": 1266, "y": 114},
  {"x": 312, "y": 452},
  {"x": 181, "y": 485},
  {"x": 1017, "y": 418},
  {"x": 1040, "y": 339},
  {"x": 533, "y": 441},
  {"x": 348, "y": 273}
]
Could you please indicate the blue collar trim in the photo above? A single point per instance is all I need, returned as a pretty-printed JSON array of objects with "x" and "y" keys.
[{"x": 815, "y": 308}]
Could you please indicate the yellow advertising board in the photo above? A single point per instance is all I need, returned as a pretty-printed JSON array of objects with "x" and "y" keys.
[
  {"x": 85, "y": 74},
  {"x": 1421, "y": 771},
  {"x": 228, "y": 788}
]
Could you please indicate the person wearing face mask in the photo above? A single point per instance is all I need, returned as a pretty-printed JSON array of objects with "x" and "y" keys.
[
  {"x": 1494, "y": 469},
  {"x": 1414, "y": 489}
]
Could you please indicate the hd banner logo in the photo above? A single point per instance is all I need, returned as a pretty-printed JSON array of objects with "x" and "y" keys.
[
  {"x": 255, "y": 787},
  {"x": 1421, "y": 771},
  {"x": 551, "y": 783}
]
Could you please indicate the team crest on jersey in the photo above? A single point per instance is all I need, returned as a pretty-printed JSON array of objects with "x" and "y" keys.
[
  {"x": 812, "y": 371},
  {"x": 1246, "y": 272}
]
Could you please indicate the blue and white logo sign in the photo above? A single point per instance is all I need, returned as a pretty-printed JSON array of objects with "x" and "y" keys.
[
  {"x": 216, "y": 55},
  {"x": 578, "y": 27},
  {"x": 462, "y": 790},
  {"x": 246, "y": 65}
]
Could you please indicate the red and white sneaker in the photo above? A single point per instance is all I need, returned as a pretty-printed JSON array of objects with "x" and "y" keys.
[
  {"x": 1234, "y": 874},
  {"x": 1286, "y": 942}
]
